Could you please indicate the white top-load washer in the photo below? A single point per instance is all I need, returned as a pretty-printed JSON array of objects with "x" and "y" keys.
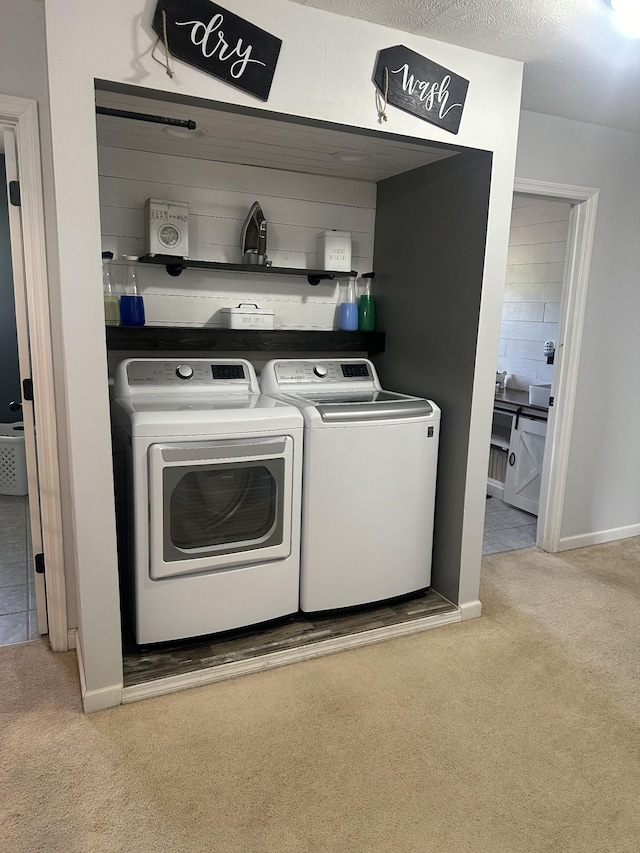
[
  {"x": 369, "y": 476},
  {"x": 208, "y": 481}
]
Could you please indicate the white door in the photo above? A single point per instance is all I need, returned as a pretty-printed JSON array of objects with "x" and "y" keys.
[
  {"x": 524, "y": 465},
  {"x": 24, "y": 358}
]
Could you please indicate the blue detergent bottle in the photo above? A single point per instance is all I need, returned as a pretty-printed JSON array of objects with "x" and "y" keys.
[
  {"x": 348, "y": 307},
  {"x": 131, "y": 302}
]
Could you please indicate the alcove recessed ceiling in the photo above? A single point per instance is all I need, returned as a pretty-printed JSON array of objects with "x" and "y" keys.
[
  {"x": 578, "y": 63},
  {"x": 256, "y": 138}
]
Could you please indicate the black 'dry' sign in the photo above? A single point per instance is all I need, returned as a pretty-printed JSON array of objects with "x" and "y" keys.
[
  {"x": 214, "y": 40},
  {"x": 420, "y": 86}
]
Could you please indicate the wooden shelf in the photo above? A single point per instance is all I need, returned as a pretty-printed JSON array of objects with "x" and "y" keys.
[
  {"x": 500, "y": 440},
  {"x": 175, "y": 266},
  {"x": 164, "y": 338}
]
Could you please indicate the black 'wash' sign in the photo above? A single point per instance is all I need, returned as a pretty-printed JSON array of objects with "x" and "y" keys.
[
  {"x": 214, "y": 40},
  {"x": 422, "y": 87}
]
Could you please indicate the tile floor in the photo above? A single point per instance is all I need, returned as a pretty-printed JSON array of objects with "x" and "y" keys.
[
  {"x": 507, "y": 528},
  {"x": 18, "y": 620}
]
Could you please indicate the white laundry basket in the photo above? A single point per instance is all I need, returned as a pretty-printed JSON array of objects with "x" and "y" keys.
[{"x": 13, "y": 462}]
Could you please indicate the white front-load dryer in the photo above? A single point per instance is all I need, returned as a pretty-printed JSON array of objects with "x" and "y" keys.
[
  {"x": 369, "y": 480},
  {"x": 208, "y": 481}
]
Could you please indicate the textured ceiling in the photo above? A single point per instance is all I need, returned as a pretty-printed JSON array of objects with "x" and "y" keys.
[{"x": 578, "y": 64}]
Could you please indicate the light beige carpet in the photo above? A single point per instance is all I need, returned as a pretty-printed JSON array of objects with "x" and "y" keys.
[{"x": 514, "y": 732}]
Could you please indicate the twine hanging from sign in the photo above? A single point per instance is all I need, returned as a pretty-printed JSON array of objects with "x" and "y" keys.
[
  {"x": 166, "y": 64},
  {"x": 381, "y": 98}
]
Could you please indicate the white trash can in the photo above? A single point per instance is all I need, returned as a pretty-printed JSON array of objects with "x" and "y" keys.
[{"x": 13, "y": 461}]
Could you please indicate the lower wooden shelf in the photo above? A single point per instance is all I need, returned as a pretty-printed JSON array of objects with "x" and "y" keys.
[{"x": 165, "y": 338}]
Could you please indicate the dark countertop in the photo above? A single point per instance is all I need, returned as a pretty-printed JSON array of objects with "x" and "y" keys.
[{"x": 513, "y": 397}]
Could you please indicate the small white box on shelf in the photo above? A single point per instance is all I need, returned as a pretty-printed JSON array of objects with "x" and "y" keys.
[
  {"x": 334, "y": 251},
  {"x": 167, "y": 227},
  {"x": 247, "y": 316}
]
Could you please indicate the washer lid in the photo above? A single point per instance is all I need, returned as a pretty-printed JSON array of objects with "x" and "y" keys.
[
  {"x": 367, "y": 405},
  {"x": 358, "y": 397},
  {"x": 337, "y": 412}
]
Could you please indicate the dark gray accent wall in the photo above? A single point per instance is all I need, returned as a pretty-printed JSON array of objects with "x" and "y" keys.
[
  {"x": 431, "y": 228},
  {"x": 9, "y": 374}
]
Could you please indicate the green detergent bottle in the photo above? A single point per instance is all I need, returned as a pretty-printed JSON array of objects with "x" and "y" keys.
[{"x": 366, "y": 304}]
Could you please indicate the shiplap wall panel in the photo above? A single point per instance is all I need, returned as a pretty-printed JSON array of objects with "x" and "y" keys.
[
  {"x": 204, "y": 311},
  {"x": 297, "y": 208},
  {"x": 535, "y": 271},
  {"x": 127, "y": 192},
  {"x": 163, "y": 170},
  {"x": 217, "y": 238},
  {"x": 541, "y": 232},
  {"x": 536, "y": 253},
  {"x": 534, "y": 213}
]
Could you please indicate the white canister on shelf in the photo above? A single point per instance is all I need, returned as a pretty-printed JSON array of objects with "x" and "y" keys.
[
  {"x": 247, "y": 315},
  {"x": 334, "y": 251}
]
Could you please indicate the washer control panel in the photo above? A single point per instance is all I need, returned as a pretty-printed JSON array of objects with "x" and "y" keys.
[{"x": 326, "y": 371}]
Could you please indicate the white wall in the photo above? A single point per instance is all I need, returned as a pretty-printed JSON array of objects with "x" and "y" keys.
[
  {"x": 324, "y": 72},
  {"x": 297, "y": 206},
  {"x": 603, "y": 487},
  {"x": 531, "y": 308}
]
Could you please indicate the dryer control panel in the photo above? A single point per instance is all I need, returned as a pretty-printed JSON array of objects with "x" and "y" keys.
[
  {"x": 329, "y": 371},
  {"x": 157, "y": 376}
]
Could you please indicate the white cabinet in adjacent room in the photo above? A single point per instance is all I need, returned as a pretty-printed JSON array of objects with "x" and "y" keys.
[{"x": 524, "y": 463}]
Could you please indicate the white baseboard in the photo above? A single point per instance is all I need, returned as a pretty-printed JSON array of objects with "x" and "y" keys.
[
  {"x": 230, "y": 670},
  {"x": 71, "y": 638},
  {"x": 568, "y": 543},
  {"x": 100, "y": 700},
  {"x": 470, "y": 610},
  {"x": 95, "y": 700}
]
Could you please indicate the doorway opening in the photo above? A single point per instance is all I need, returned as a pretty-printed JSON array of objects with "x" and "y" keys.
[
  {"x": 20, "y": 134},
  {"x": 18, "y": 614},
  {"x": 550, "y": 244},
  {"x": 524, "y": 370}
]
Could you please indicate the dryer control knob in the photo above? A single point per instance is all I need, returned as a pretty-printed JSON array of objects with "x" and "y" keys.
[
  {"x": 320, "y": 370},
  {"x": 184, "y": 371}
]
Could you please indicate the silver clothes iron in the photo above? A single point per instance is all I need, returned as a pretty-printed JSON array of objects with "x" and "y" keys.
[{"x": 253, "y": 239}]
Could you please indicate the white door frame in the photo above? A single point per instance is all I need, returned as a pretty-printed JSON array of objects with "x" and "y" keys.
[
  {"x": 25, "y": 373},
  {"x": 582, "y": 221},
  {"x": 21, "y": 116}
]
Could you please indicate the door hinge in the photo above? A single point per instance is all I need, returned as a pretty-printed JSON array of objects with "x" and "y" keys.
[
  {"x": 550, "y": 402},
  {"x": 27, "y": 389},
  {"x": 39, "y": 561},
  {"x": 14, "y": 193}
]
